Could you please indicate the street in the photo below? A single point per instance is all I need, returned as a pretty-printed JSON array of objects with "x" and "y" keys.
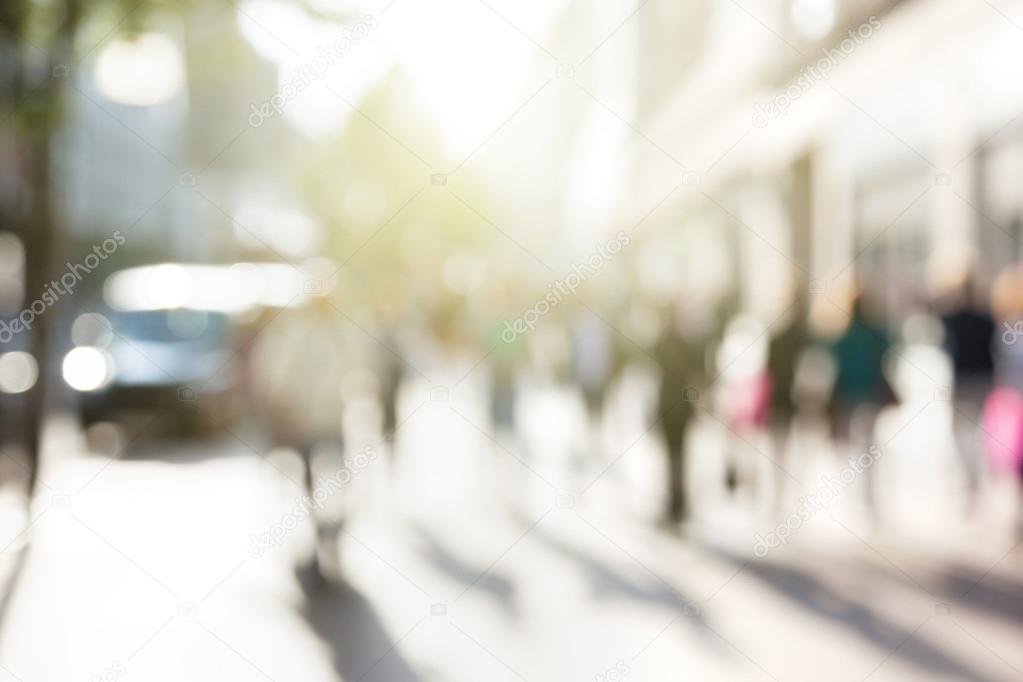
[{"x": 463, "y": 560}]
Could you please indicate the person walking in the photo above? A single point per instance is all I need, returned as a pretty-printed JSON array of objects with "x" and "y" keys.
[
  {"x": 861, "y": 388},
  {"x": 969, "y": 335},
  {"x": 297, "y": 369},
  {"x": 681, "y": 356}
]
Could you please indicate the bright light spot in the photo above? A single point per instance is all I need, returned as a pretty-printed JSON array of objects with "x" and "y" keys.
[
  {"x": 284, "y": 230},
  {"x": 12, "y": 253},
  {"x": 814, "y": 19},
  {"x": 245, "y": 284},
  {"x": 232, "y": 289},
  {"x": 18, "y": 372},
  {"x": 284, "y": 285},
  {"x": 437, "y": 68},
  {"x": 291, "y": 26},
  {"x": 140, "y": 71},
  {"x": 87, "y": 369},
  {"x": 168, "y": 286},
  {"x": 92, "y": 329},
  {"x": 296, "y": 234}
]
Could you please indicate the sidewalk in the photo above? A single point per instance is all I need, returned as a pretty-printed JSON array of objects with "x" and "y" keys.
[
  {"x": 469, "y": 560},
  {"x": 480, "y": 567},
  {"x": 140, "y": 569}
]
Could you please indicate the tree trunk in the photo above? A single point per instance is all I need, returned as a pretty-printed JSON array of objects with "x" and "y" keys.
[
  {"x": 40, "y": 232},
  {"x": 39, "y": 254}
]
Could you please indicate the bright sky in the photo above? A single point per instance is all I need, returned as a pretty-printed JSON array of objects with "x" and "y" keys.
[{"x": 469, "y": 66}]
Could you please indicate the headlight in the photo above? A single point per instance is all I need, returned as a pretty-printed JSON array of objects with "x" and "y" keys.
[
  {"x": 18, "y": 372},
  {"x": 87, "y": 368}
]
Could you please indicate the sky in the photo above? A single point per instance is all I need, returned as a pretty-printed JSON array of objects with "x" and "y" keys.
[{"x": 469, "y": 66}]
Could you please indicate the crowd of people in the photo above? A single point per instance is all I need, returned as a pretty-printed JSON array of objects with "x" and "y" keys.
[{"x": 754, "y": 379}]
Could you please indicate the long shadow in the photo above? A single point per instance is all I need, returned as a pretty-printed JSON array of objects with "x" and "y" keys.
[
  {"x": 7, "y": 591},
  {"x": 606, "y": 582},
  {"x": 964, "y": 585},
  {"x": 361, "y": 647},
  {"x": 995, "y": 594},
  {"x": 499, "y": 588},
  {"x": 815, "y": 596}
]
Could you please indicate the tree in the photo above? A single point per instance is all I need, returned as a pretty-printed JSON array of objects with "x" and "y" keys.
[
  {"x": 36, "y": 65},
  {"x": 41, "y": 47}
]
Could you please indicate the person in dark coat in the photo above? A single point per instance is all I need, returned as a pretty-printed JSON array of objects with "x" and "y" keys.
[
  {"x": 969, "y": 335},
  {"x": 681, "y": 354},
  {"x": 784, "y": 351}
]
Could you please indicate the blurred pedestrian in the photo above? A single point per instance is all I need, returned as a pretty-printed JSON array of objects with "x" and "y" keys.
[
  {"x": 744, "y": 394},
  {"x": 861, "y": 388},
  {"x": 1003, "y": 410},
  {"x": 969, "y": 335},
  {"x": 392, "y": 375},
  {"x": 593, "y": 359},
  {"x": 784, "y": 351},
  {"x": 1007, "y": 343},
  {"x": 681, "y": 356},
  {"x": 297, "y": 369},
  {"x": 504, "y": 363}
]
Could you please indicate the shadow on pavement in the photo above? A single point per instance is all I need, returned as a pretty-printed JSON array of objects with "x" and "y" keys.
[
  {"x": 495, "y": 585},
  {"x": 347, "y": 622},
  {"x": 813, "y": 594},
  {"x": 997, "y": 595},
  {"x": 959, "y": 584},
  {"x": 9, "y": 583},
  {"x": 607, "y": 582}
]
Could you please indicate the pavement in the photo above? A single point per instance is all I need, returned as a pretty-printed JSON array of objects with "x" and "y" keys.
[
  {"x": 140, "y": 569},
  {"x": 473, "y": 556}
]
